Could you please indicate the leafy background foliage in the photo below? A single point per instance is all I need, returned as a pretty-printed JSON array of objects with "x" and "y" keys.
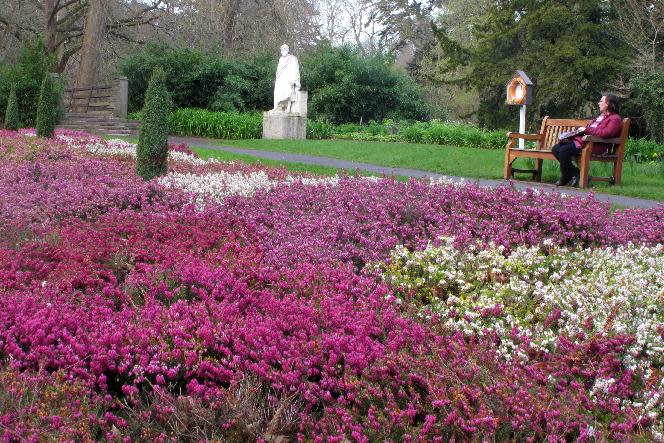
[
  {"x": 347, "y": 87},
  {"x": 343, "y": 85},
  {"x": 563, "y": 46},
  {"x": 199, "y": 80}
]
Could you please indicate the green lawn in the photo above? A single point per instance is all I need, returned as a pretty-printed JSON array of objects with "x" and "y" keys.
[
  {"x": 447, "y": 160},
  {"x": 291, "y": 166},
  {"x": 639, "y": 180}
]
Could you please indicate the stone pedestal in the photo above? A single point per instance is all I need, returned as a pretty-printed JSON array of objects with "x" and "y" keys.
[
  {"x": 284, "y": 125},
  {"x": 121, "y": 97}
]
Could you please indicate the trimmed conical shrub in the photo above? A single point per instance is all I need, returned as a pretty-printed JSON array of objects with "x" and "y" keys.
[
  {"x": 152, "y": 150},
  {"x": 48, "y": 110},
  {"x": 11, "y": 115}
]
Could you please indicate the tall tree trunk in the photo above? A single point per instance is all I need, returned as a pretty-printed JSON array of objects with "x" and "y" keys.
[
  {"x": 93, "y": 40},
  {"x": 51, "y": 24},
  {"x": 231, "y": 8}
]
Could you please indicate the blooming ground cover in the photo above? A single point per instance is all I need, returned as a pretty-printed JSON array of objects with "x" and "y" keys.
[{"x": 237, "y": 302}]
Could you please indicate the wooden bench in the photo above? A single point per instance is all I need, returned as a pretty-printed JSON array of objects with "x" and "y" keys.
[{"x": 549, "y": 135}]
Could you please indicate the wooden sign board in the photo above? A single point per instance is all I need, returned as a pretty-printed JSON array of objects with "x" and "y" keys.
[{"x": 520, "y": 90}]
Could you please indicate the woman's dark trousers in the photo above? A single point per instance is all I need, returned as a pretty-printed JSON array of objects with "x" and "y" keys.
[{"x": 564, "y": 151}]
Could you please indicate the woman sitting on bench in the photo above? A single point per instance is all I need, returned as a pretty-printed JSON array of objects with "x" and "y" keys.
[{"x": 606, "y": 125}]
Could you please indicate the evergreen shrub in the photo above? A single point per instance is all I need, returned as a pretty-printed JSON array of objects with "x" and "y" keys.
[
  {"x": 25, "y": 75},
  {"x": 152, "y": 149},
  {"x": 11, "y": 115},
  {"x": 48, "y": 107}
]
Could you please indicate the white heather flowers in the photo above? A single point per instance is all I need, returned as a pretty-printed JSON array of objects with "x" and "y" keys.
[
  {"x": 218, "y": 185},
  {"x": 215, "y": 186},
  {"x": 122, "y": 148},
  {"x": 542, "y": 292},
  {"x": 314, "y": 181},
  {"x": 545, "y": 293},
  {"x": 183, "y": 157},
  {"x": 111, "y": 148}
]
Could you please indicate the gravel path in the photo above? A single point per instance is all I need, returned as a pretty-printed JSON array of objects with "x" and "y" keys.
[{"x": 350, "y": 165}]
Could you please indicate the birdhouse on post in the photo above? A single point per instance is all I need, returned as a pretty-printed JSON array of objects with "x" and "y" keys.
[{"x": 520, "y": 93}]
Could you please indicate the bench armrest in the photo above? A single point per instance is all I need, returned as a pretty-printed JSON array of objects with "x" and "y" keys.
[
  {"x": 592, "y": 138},
  {"x": 524, "y": 136}
]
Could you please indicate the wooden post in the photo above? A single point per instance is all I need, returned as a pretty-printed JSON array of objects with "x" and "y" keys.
[{"x": 522, "y": 125}]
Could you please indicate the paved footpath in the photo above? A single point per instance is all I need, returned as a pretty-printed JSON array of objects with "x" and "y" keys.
[{"x": 352, "y": 166}]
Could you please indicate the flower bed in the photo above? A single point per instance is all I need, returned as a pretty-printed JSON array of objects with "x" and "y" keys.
[{"x": 325, "y": 309}]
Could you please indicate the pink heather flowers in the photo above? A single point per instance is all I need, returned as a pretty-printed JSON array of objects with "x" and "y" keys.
[{"x": 126, "y": 310}]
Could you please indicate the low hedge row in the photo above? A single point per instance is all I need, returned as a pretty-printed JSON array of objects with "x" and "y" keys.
[
  {"x": 433, "y": 132},
  {"x": 226, "y": 125},
  {"x": 231, "y": 125}
]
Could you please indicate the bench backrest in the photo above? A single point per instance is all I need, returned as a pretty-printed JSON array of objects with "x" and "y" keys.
[
  {"x": 553, "y": 127},
  {"x": 619, "y": 149}
]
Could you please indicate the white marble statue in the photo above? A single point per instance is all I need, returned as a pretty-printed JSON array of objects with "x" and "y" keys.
[{"x": 287, "y": 82}]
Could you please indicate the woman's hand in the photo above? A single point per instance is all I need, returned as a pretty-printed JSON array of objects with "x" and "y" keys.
[{"x": 582, "y": 129}]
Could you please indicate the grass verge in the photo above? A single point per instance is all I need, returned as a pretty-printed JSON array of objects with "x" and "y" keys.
[
  {"x": 641, "y": 180},
  {"x": 226, "y": 156},
  {"x": 291, "y": 166}
]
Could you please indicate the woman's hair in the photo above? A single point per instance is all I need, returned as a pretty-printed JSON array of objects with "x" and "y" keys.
[{"x": 613, "y": 102}]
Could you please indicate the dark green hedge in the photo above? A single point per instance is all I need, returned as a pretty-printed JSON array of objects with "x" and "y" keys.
[
  {"x": 198, "y": 80},
  {"x": 343, "y": 85},
  {"x": 347, "y": 87}
]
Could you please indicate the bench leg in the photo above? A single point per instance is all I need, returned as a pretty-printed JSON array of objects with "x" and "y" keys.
[
  {"x": 537, "y": 175},
  {"x": 617, "y": 172},
  {"x": 584, "y": 167},
  {"x": 508, "y": 165}
]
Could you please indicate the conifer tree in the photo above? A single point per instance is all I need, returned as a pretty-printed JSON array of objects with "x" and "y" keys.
[
  {"x": 48, "y": 110},
  {"x": 567, "y": 47},
  {"x": 11, "y": 115},
  {"x": 152, "y": 150}
]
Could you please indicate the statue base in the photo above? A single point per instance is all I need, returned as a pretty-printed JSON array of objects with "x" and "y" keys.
[{"x": 284, "y": 125}]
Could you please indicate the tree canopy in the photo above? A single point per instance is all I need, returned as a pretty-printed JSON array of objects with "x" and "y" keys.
[{"x": 565, "y": 46}]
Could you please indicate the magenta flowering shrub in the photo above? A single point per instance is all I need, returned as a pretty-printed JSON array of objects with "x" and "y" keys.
[
  {"x": 362, "y": 220},
  {"x": 187, "y": 301},
  {"x": 42, "y": 193},
  {"x": 46, "y": 407},
  {"x": 181, "y": 147},
  {"x": 19, "y": 147},
  {"x": 638, "y": 226},
  {"x": 254, "y": 318}
]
